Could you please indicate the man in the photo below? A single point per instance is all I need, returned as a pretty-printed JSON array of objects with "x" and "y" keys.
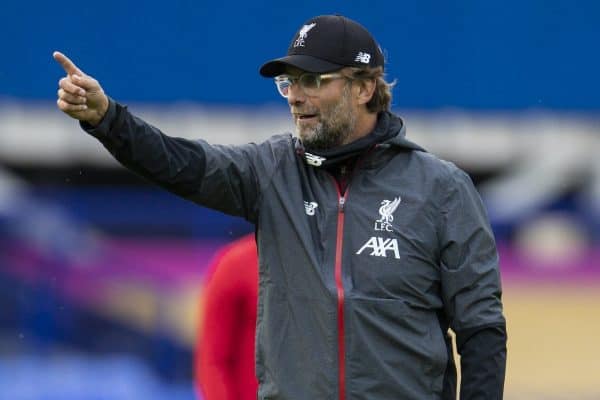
[
  {"x": 225, "y": 351},
  {"x": 369, "y": 247}
]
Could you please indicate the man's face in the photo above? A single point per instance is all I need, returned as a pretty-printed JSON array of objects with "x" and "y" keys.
[{"x": 326, "y": 119}]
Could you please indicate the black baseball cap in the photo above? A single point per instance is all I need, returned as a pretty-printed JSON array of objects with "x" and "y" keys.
[{"x": 327, "y": 43}]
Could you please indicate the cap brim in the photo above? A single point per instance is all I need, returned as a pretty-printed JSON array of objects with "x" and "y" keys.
[{"x": 306, "y": 63}]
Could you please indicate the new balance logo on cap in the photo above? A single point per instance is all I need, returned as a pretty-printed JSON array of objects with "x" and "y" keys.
[{"x": 363, "y": 57}]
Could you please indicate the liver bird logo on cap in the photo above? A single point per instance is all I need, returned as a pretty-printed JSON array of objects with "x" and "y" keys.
[{"x": 302, "y": 34}]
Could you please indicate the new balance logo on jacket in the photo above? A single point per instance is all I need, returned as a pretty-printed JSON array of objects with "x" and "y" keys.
[
  {"x": 313, "y": 159},
  {"x": 310, "y": 207}
]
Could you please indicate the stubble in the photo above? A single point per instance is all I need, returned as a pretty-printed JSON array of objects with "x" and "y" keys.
[{"x": 337, "y": 122}]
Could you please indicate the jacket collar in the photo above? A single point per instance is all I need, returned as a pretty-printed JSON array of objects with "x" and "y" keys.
[{"x": 390, "y": 130}]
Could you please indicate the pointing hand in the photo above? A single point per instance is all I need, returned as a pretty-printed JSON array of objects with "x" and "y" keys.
[{"x": 79, "y": 95}]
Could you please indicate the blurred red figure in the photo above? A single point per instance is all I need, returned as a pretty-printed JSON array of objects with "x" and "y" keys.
[{"x": 225, "y": 351}]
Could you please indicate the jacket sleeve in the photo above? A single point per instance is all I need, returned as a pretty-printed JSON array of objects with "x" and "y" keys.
[
  {"x": 471, "y": 289},
  {"x": 483, "y": 362},
  {"x": 225, "y": 178}
]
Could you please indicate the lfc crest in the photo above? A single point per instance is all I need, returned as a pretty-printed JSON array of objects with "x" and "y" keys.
[{"x": 386, "y": 210}]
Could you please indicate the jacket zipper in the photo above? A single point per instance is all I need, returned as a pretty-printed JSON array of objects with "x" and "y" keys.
[
  {"x": 339, "y": 283},
  {"x": 340, "y": 292}
]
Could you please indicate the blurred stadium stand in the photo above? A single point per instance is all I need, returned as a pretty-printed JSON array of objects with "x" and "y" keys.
[{"x": 100, "y": 272}]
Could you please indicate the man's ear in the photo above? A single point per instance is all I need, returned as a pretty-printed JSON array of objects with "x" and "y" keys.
[{"x": 366, "y": 89}]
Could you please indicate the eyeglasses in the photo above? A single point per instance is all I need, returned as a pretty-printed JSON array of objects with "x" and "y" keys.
[{"x": 309, "y": 82}]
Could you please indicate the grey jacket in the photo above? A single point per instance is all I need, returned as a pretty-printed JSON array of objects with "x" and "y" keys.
[{"x": 356, "y": 290}]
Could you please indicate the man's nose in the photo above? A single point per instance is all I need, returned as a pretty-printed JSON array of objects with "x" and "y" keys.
[{"x": 295, "y": 94}]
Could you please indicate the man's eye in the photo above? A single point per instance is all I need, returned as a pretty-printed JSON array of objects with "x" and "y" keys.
[{"x": 310, "y": 81}]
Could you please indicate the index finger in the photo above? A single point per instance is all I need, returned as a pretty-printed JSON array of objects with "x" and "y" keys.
[{"x": 68, "y": 65}]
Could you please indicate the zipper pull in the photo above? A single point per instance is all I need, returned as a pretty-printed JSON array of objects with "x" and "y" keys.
[{"x": 342, "y": 202}]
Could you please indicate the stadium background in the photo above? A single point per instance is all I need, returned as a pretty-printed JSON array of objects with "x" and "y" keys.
[{"x": 101, "y": 273}]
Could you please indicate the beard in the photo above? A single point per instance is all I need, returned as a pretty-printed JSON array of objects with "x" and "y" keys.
[{"x": 336, "y": 123}]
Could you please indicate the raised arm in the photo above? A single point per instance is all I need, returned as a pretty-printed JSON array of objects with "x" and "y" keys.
[{"x": 226, "y": 178}]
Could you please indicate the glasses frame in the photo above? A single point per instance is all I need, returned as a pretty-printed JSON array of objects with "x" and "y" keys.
[{"x": 309, "y": 91}]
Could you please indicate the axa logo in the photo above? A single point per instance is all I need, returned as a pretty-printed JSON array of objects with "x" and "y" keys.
[
  {"x": 379, "y": 247},
  {"x": 302, "y": 34},
  {"x": 310, "y": 207},
  {"x": 386, "y": 211}
]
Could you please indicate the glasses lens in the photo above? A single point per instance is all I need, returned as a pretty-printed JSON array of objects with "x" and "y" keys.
[
  {"x": 283, "y": 84},
  {"x": 310, "y": 81}
]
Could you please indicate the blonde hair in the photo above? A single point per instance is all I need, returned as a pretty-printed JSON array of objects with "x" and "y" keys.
[{"x": 382, "y": 97}]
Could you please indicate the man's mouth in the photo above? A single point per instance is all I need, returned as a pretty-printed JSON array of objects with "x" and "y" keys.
[{"x": 306, "y": 117}]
